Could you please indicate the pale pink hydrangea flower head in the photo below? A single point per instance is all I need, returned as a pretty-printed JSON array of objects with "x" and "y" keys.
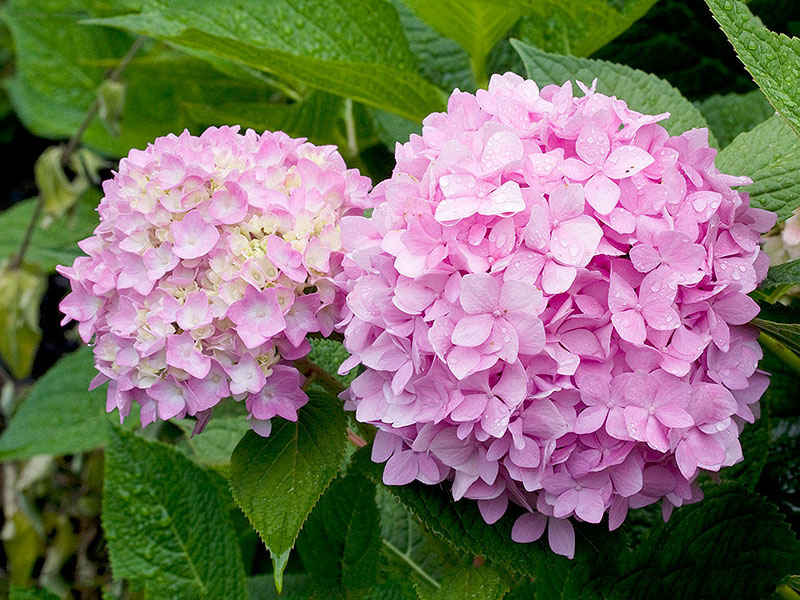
[
  {"x": 213, "y": 260},
  {"x": 550, "y": 303}
]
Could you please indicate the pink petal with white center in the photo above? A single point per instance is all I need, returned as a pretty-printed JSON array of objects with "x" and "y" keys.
[
  {"x": 505, "y": 200},
  {"x": 229, "y": 204},
  {"x": 183, "y": 354},
  {"x": 602, "y": 194},
  {"x": 194, "y": 312},
  {"x": 627, "y": 161},
  {"x": 246, "y": 376},
  {"x": 170, "y": 398},
  {"x": 574, "y": 242},
  {"x": 171, "y": 171},
  {"x": 192, "y": 236},
  {"x": 480, "y": 293},
  {"x": 472, "y": 330},
  {"x": 159, "y": 261},
  {"x": 528, "y": 528}
]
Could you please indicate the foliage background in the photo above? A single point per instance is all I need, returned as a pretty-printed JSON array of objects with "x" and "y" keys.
[{"x": 94, "y": 510}]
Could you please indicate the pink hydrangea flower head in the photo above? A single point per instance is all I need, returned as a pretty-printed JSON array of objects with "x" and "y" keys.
[
  {"x": 550, "y": 304},
  {"x": 215, "y": 256}
]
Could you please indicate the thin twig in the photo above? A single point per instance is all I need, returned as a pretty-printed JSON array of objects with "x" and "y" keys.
[
  {"x": 320, "y": 375},
  {"x": 70, "y": 148}
]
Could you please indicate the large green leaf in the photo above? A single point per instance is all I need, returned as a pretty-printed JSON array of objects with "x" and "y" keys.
[
  {"x": 60, "y": 415},
  {"x": 460, "y": 525},
  {"x": 782, "y": 323},
  {"x": 731, "y": 114},
  {"x": 470, "y": 583},
  {"x": 577, "y": 28},
  {"x": 278, "y": 480},
  {"x": 409, "y": 554},
  {"x": 770, "y": 155},
  {"x": 55, "y": 245},
  {"x": 441, "y": 60},
  {"x": 772, "y": 59},
  {"x": 320, "y": 117},
  {"x": 643, "y": 92},
  {"x": 785, "y": 274},
  {"x": 340, "y": 543},
  {"x": 477, "y": 25},
  {"x": 166, "y": 525},
  {"x": 61, "y": 62},
  {"x": 354, "y": 49},
  {"x": 733, "y": 544}
]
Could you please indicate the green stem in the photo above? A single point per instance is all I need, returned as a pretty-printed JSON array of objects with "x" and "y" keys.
[
  {"x": 782, "y": 352},
  {"x": 70, "y": 148},
  {"x": 478, "y": 64},
  {"x": 313, "y": 370},
  {"x": 411, "y": 563}
]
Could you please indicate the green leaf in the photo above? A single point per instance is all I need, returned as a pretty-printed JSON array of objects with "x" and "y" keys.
[
  {"x": 441, "y": 60},
  {"x": 296, "y": 586},
  {"x": 643, "y": 92},
  {"x": 61, "y": 63},
  {"x": 60, "y": 415},
  {"x": 733, "y": 544},
  {"x": 215, "y": 444},
  {"x": 166, "y": 525},
  {"x": 476, "y": 25},
  {"x": 20, "y": 593},
  {"x": 55, "y": 245},
  {"x": 770, "y": 155},
  {"x": 470, "y": 583},
  {"x": 278, "y": 480},
  {"x": 330, "y": 354},
  {"x": 731, "y": 114},
  {"x": 578, "y": 28},
  {"x": 21, "y": 292},
  {"x": 340, "y": 543},
  {"x": 785, "y": 274},
  {"x": 780, "y": 322},
  {"x": 460, "y": 525},
  {"x": 772, "y": 59},
  {"x": 408, "y": 552},
  {"x": 319, "y": 117},
  {"x": 352, "y": 49}
]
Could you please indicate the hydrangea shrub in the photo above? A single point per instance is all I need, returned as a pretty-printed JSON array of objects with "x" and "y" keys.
[{"x": 550, "y": 301}]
